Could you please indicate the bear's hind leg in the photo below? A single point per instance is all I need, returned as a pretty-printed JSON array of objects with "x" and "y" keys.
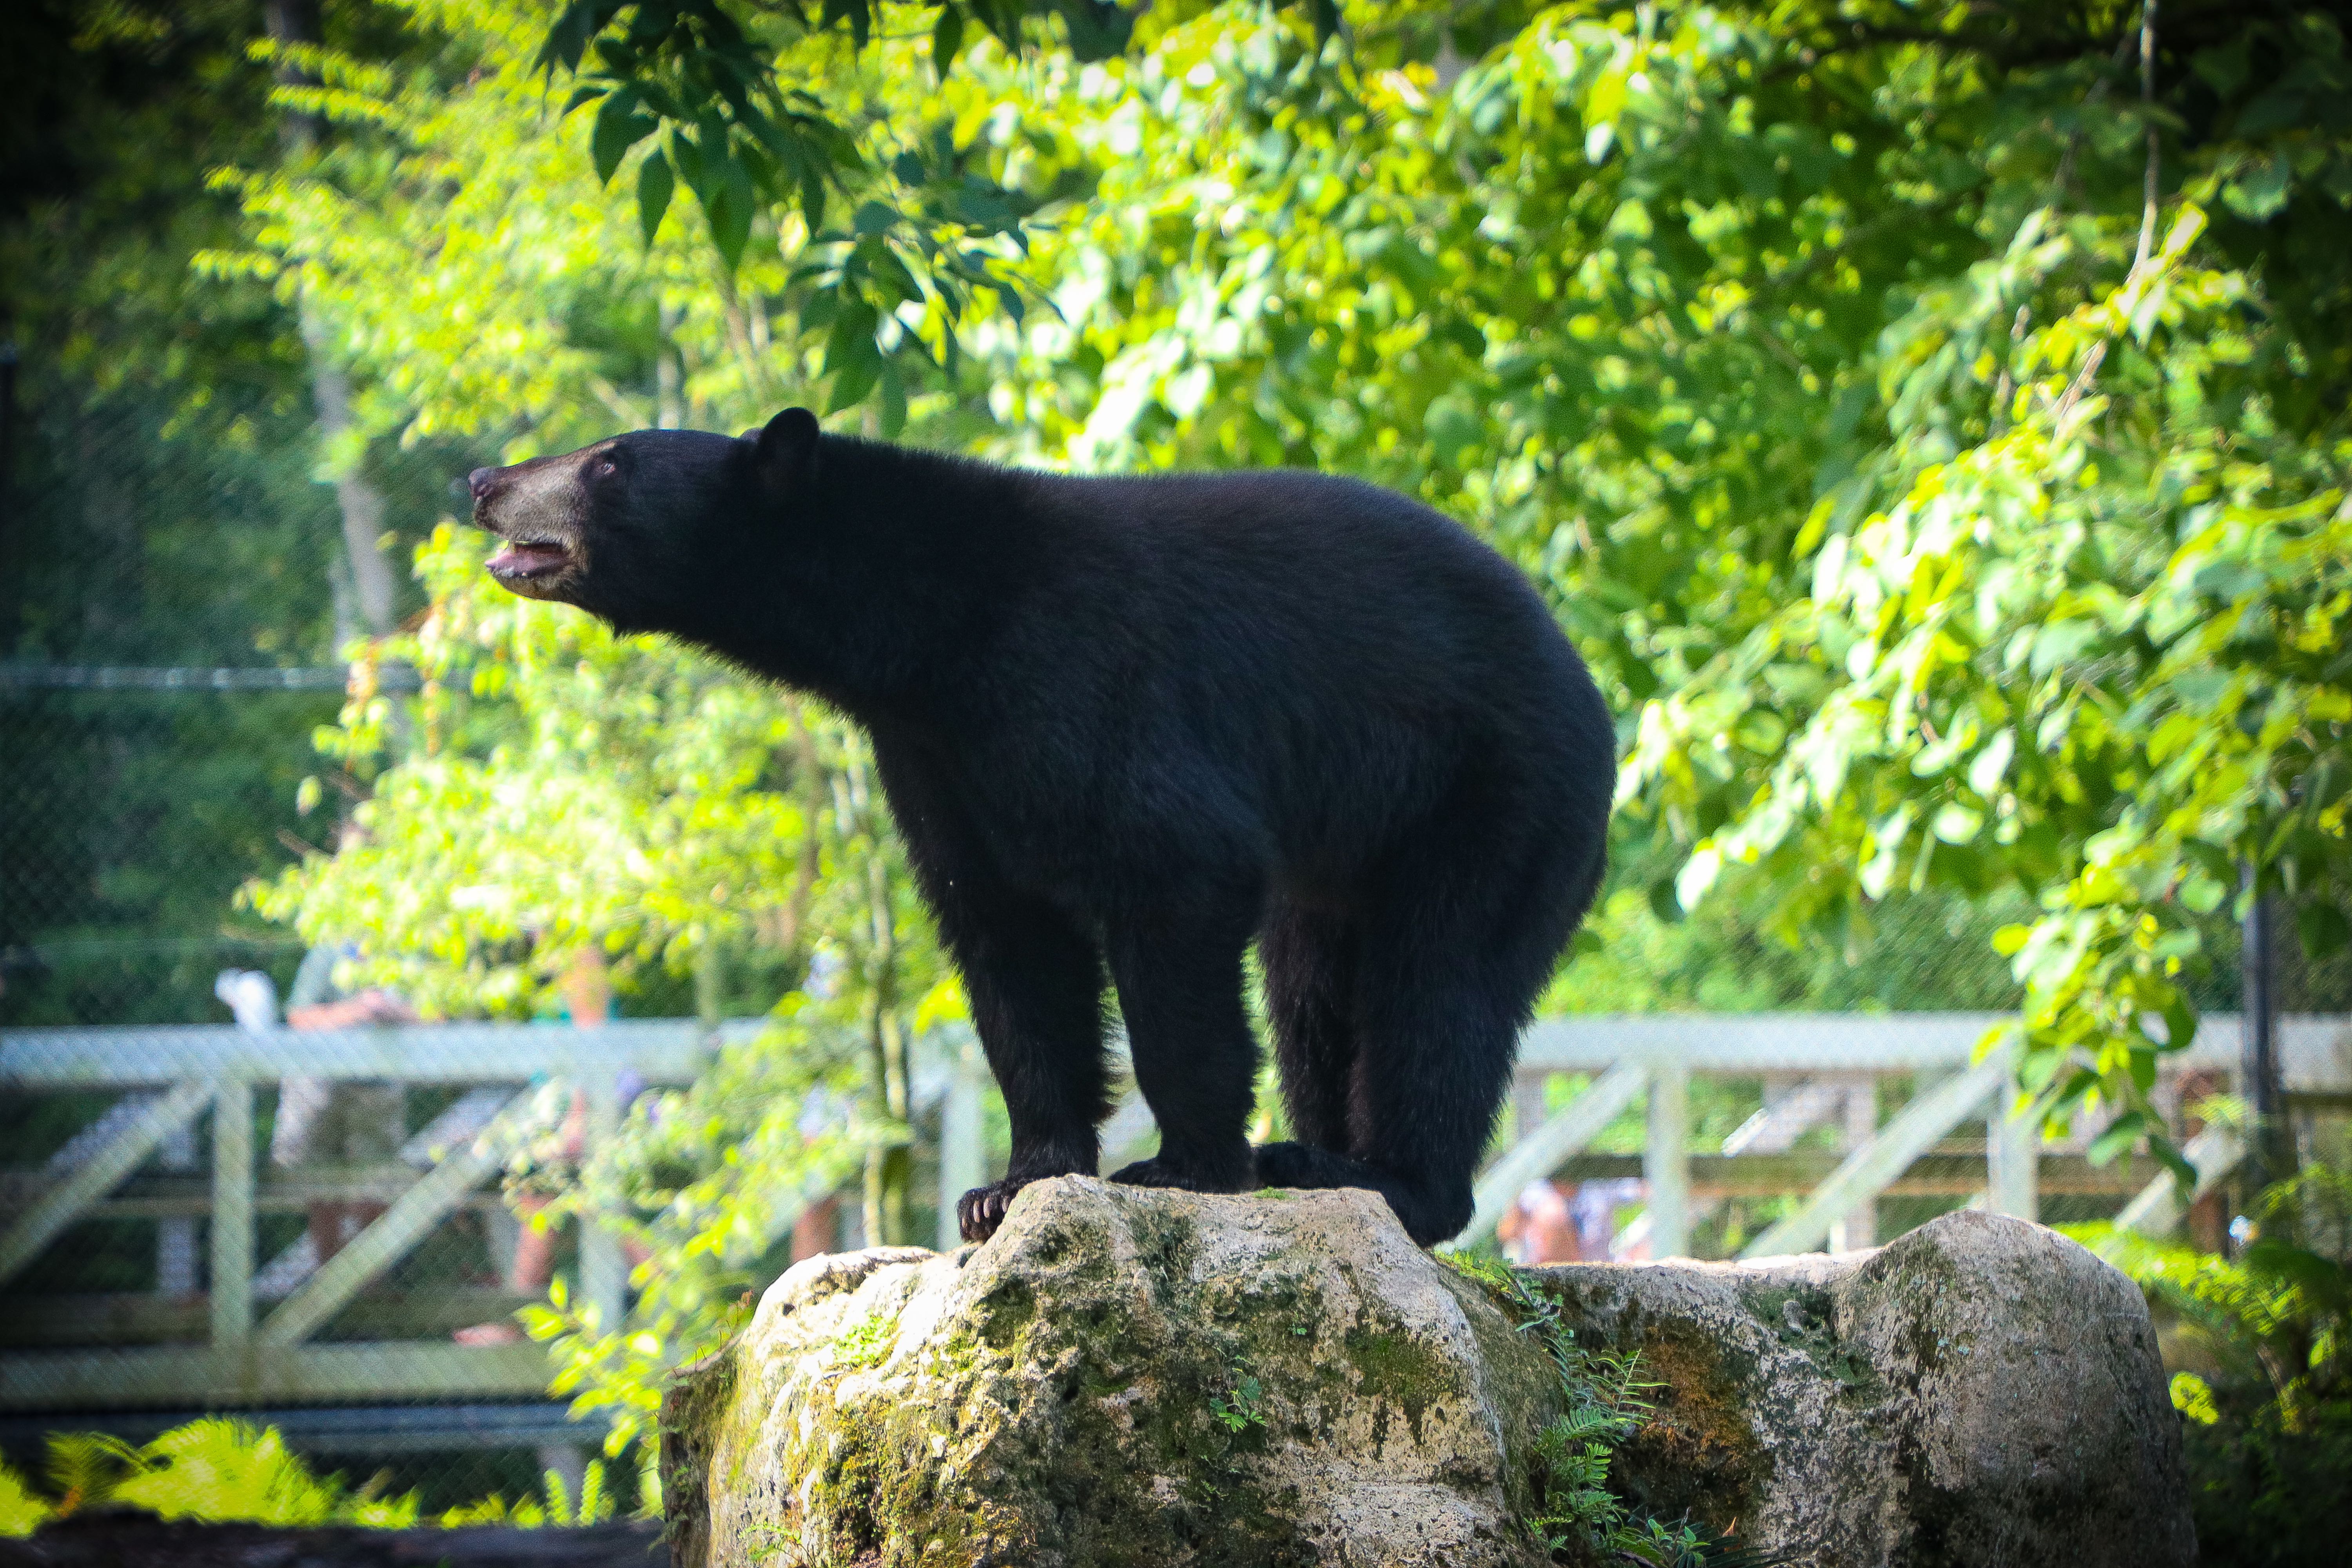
[
  {"x": 1429, "y": 1083},
  {"x": 1310, "y": 957},
  {"x": 1179, "y": 973},
  {"x": 1455, "y": 944}
]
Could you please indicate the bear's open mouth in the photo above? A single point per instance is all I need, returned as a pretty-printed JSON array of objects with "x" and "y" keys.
[{"x": 524, "y": 560}]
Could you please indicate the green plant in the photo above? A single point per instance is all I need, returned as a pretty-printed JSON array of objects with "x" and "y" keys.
[
  {"x": 1233, "y": 1415},
  {"x": 83, "y": 1468},
  {"x": 1576, "y": 1510},
  {"x": 2262, "y": 1346},
  {"x": 1239, "y": 1409},
  {"x": 22, "y": 1510},
  {"x": 212, "y": 1469}
]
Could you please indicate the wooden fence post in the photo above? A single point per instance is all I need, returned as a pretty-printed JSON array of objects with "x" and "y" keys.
[
  {"x": 2012, "y": 1156},
  {"x": 232, "y": 1240},
  {"x": 1858, "y": 1226},
  {"x": 604, "y": 1271},
  {"x": 1665, "y": 1162},
  {"x": 963, "y": 1153}
]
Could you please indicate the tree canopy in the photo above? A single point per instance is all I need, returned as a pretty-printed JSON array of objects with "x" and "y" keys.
[{"x": 1929, "y": 420}]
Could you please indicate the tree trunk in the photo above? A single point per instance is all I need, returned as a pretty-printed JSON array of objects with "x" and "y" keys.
[{"x": 374, "y": 589}]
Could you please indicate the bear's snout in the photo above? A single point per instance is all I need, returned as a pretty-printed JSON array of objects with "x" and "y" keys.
[{"x": 480, "y": 481}]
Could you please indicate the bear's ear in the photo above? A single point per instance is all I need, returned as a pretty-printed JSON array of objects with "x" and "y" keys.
[{"x": 785, "y": 450}]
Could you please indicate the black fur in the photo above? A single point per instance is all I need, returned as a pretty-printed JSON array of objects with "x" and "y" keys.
[{"x": 1129, "y": 725}]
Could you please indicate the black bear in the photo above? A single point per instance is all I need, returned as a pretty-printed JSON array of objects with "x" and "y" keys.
[{"x": 1129, "y": 725}]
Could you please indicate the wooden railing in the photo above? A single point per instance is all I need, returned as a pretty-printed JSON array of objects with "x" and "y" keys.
[
  {"x": 167, "y": 1079},
  {"x": 238, "y": 1348},
  {"x": 1653, "y": 1057}
]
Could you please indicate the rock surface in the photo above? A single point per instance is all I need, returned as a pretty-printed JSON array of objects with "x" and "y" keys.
[
  {"x": 1127, "y": 1376},
  {"x": 1980, "y": 1390}
]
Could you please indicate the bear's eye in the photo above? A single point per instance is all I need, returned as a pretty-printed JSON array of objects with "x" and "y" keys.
[{"x": 607, "y": 468}]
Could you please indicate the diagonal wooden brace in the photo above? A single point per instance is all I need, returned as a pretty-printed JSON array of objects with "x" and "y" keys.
[
  {"x": 1866, "y": 1172},
  {"x": 386, "y": 1241},
  {"x": 1542, "y": 1151},
  {"x": 92, "y": 1180}
]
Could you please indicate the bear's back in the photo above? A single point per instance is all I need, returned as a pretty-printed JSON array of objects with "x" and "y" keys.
[{"x": 1317, "y": 653}]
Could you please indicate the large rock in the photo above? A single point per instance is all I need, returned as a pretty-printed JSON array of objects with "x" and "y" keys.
[
  {"x": 1119, "y": 1376},
  {"x": 1125, "y": 1376},
  {"x": 1981, "y": 1391}
]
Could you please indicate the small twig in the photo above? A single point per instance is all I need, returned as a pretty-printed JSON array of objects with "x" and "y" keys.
[
  {"x": 2147, "y": 105},
  {"x": 2088, "y": 375},
  {"x": 615, "y": 399}
]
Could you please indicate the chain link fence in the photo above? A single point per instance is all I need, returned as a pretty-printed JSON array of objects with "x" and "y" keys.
[{"x": 171, "y": 593}]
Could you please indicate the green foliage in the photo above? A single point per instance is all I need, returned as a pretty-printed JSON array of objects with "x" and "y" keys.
[
  {"x": 213, "y": 1470},
  {"x": 22, "y": 1510},
  {"x": 1950, "y": 519},
  {"x": 220, "y": 1470},
  {"x": 1606, "y": 1401},
  {"x": 160, "y": 510},
  {"x": 1238, "y": 1409},
  {"x": 553, "y": 787},
  {"x": 1957, "y": 529},
  {"x": 2263, "y": 1344},
  {"x": 217, "y": 1471},
  {"x": 83, "y": 1468}
]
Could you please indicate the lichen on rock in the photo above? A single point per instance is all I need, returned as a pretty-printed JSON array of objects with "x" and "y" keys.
[
  {"x": 1981, "y": 1391},
  {"x": 1131, "y": 1376},
  {"x": 1055, "y": 1397}
]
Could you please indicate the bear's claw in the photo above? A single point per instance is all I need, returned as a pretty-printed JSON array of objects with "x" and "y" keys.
[{"x": 980, "y": 1211}]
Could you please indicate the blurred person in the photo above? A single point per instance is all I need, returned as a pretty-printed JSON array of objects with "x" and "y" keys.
[
  {"x": 1595, "y": 1206},
  {"x": 1539, "y": 1227},
  {"x": 338, "y": 1121}
]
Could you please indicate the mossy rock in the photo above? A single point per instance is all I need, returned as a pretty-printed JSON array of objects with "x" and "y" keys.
[
  {"x": 1125, "y": 1376},
  {"x": 1980, "y": 1392},
  {"x": 1121, "y": 1377}
]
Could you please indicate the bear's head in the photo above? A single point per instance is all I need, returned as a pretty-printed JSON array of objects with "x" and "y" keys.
[{"x": 645, "y": 528}]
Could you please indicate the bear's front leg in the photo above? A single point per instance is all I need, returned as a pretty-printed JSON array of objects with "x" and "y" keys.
[
  {"x": 1035, "y": 993},
  {"x": 1035, "y": 986},
  {"x": 1035, "y": 979},
  {"x": 980, "y": 1211},
  {"x": 1178, "y": 972}
]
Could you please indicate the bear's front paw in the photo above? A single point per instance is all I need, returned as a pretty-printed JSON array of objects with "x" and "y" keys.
[
  {"x": 1191, "y": 1177},
  {"x": 980, "y": 1211}
]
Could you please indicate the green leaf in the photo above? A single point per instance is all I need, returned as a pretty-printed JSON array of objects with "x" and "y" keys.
[
  {"x": 2324, "y": 930},
  {"x": 620, "y": 125},
  {"x": 2120, "y": 1135},
  {"x": 686, "y": 154},
  {"x": 655, "y": 185},
  {"x": 947, "y": 39},
  {"x": 1098, "y": 31},
  {"x": 729, "y": 205},
  {"x": 894, "y": 403},
  {"x": 852, "y": 360},
  {"x": 2258, "y": 191},
  {"x": 2184, "y": 1175},
  {"x": 856, "y": 376}
]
